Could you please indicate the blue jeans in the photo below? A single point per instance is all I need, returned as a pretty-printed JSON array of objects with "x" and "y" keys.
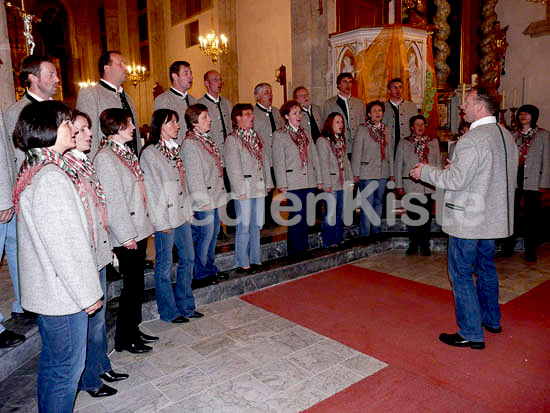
[
  {"x": 250, "y": 218},
  {"x": 97, "y": 361},
  {"x": 171, "y": 304},
  {"x": 297, "y": 236},
  {"x": 8, "y": 239},
  {"x": 2, "y": 328},
  {"x": 376, "y": 200},
  {"x": 474, "y": 304},
  {"x": 61, "y": 360},
  {"x": 333, "y": 234},
  {"x": 204, "y": 239}
]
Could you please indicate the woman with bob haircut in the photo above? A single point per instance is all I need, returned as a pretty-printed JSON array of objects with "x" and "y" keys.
[
  {"x": 297, "y": 171},
  {"x": 119, "y": 172},
  {"x": 57, "y": 267},
  {"x": 171, "y": 214},
  {"x": 98, "y": 365},
  {"x": 203, "y": 163},
  {"x": 248, "y": 168},
  {"x": 413, "y": 149},
  {"x": 372, "y": 161},
  {"x": 336, "y": 172},
  {"x": 533, "y": 145}
]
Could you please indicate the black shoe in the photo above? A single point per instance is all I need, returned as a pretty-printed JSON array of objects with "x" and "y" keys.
[
  {"x": 222, "y": 275},
  {"x": 134, "y": 348},
  {"x": 112, "y": 376},
  {"x": 504, "y": 253},
  {"x": 149, "y": 265},
  {"x": 204, "y": 282},
  {"x": 257, "y": 267},
  {"x": 147, "y": 338},
  {"x": 457, "y": 341},
  {"x": 491, "y": 329},
  {"x": 411, "y": 250},
  {"x": 196, "y": 314},
  {"x": 222, "y": 236},
  {"x": 25, "y": 315},
  {"x": 530, "y": 256},
  {"x": 103, "y": 391},
  {"x": 179, "y": 320},
  {"x": 241, "y": 270},
  {"x": 10, "y": 339},
  {"x": 425, "y": 251}
]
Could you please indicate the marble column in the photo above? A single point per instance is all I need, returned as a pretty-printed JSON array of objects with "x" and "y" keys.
[
  {"x": 309, "y": 48},
  {"x": 7, "y": 94}
]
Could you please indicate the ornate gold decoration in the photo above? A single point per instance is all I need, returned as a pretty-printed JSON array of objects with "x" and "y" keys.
[
  {"x": 213, "y": 46},
  {"x": 136, "y": 74},
  {"x": 440, "y": 42},
  {"x": 493, "y": 46}
]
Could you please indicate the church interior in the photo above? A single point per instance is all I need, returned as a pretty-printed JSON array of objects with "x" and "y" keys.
[{"x": 349, "y": 330}]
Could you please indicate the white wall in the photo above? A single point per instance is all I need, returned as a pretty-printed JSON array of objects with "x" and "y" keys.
[
  {"x": 264, "y": 44},
  {"x": 526, "y": 58}
]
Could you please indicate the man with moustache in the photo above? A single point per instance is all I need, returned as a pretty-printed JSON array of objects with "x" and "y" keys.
[{"x": 311, "y": 121}]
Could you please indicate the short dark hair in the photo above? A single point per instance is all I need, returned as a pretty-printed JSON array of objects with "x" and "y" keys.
[
  {"x": 77, "y": 113},
  {"x": 531, "y": 110},
  {"x": 327, "y": 130},
  {"x": 31, "y": 65},
  {"x": 238, "y": 110},
  {"x": 174, "y": 68},
  {"x": 38, "y": 122},
  {"x": 342, "y": 76},
  {"x": 192, "y": 114},
  {"x": 296, "y": 91},
  {"x": 415, "y": 118},
  {"x": 486, "y": 97},
  {"x": 394, "y": 80},
  {"x": 113, "y": 120},
  {"x": 160, "y": 117},
  {"x": 374, "y": 103},
  {"x": 287, "y": 107},
  {"x": 105, "y": 60}
]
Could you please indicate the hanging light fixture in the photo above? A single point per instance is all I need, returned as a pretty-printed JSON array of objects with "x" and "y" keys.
[
  {"x": 213, "y": 46},
  {"x": 136, "y": 73}
]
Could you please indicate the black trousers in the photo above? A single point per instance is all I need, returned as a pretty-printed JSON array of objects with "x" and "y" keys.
[
  {"x": 131, "y": 266},
  {"x": 526, "y": 221},
  {"x": 419, "y": 235}
]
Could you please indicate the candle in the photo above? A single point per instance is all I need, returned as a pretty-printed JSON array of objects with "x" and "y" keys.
[
  {"x": 503, "y": 102},
  {"x": 463, "y": 98},
  {"x": 514, "y": 99}
]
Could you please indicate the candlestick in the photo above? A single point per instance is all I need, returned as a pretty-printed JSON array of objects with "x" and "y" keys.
[
  {"x": 503, "y": 101},
  {"x": 463, "y": 93}
]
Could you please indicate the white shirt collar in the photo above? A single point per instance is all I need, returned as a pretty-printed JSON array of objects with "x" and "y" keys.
[
  {"x": 396, "y": 104},
  {"x": 213, "y": 98},
  {"x": 292, "y": 126},
  {"x": 171, "y": 143},
  {"x": 262, "y": 106},
  {"x": 118, "y": 89},
  {"x": 483, "y": 121},
  {"x": 35, "y": 96},
  {"x": 80, "y": 155},
  {"x": 123, "y": 146},
  {"x": 342, "y": 97},
  {"x": 179, "y": 92}
]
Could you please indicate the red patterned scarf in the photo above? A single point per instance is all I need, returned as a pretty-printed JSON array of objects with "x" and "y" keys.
[
  {"x": 378, "y": 134},
  {"x": 84, "y": 168},
  {"x": 338, "y": 147},
  {"x": 208, "y": 144},
  {"x": 35, "y": 160},
  {"x": 172, "y": 154},
  {"x": 525, "y": 143},
  {"x": 421, "y": 148},
  {"x": 300, "y": 139},
  {"x": 253, "y": 143},
  {"x": 129, "y": 160}
]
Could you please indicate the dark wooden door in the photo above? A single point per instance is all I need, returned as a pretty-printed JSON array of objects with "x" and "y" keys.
[{"x": 353, "y": 14}]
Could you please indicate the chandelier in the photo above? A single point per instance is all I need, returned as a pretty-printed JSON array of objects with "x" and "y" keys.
[
  {"x": 213, "y": 46},
  {"x": 87, "y": 83},
  {"x": 136, "y": 74}
]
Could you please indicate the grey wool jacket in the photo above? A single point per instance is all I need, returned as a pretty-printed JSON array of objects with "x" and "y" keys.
[
  {"x": 57, "y": 268},
  {"x": 246, "y": 175},
  {"x": 94, "y": 100},
  {"x": 172, "y": 101},
  {"x": 288, "y": 165},
  {"x": 536, "y": 169},
  {"x": 262, "y": 126},
  {"x": 7, "y": 168},
  {"x": 205, "y": 180},
  {"x": 479, "y": 185},
  {"x": 406, "y": 111},
  {"x": 329, "y": 166},
  {"x": 216, "y": 129},
  {"x": 406, "y": 159},
  {"x": 10, "y": 117},
  {"x": 127, "y": 214},
  {"x": 356, "y": 116},
  {"x": 366, "y": 159},
  {"x": 167, "y": 196}
]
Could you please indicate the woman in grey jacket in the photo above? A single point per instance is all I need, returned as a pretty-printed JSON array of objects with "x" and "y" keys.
[
  {"x": 171, "y": 215},
  {"x": 57, "y": 268},
  {"x": 129, "y": 224}
]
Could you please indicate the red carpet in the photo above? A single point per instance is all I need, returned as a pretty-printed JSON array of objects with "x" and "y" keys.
[{"x": 398, "y": 321}]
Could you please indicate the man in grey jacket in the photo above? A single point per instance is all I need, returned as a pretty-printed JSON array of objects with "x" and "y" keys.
[{"x": 479, "y": 207}]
